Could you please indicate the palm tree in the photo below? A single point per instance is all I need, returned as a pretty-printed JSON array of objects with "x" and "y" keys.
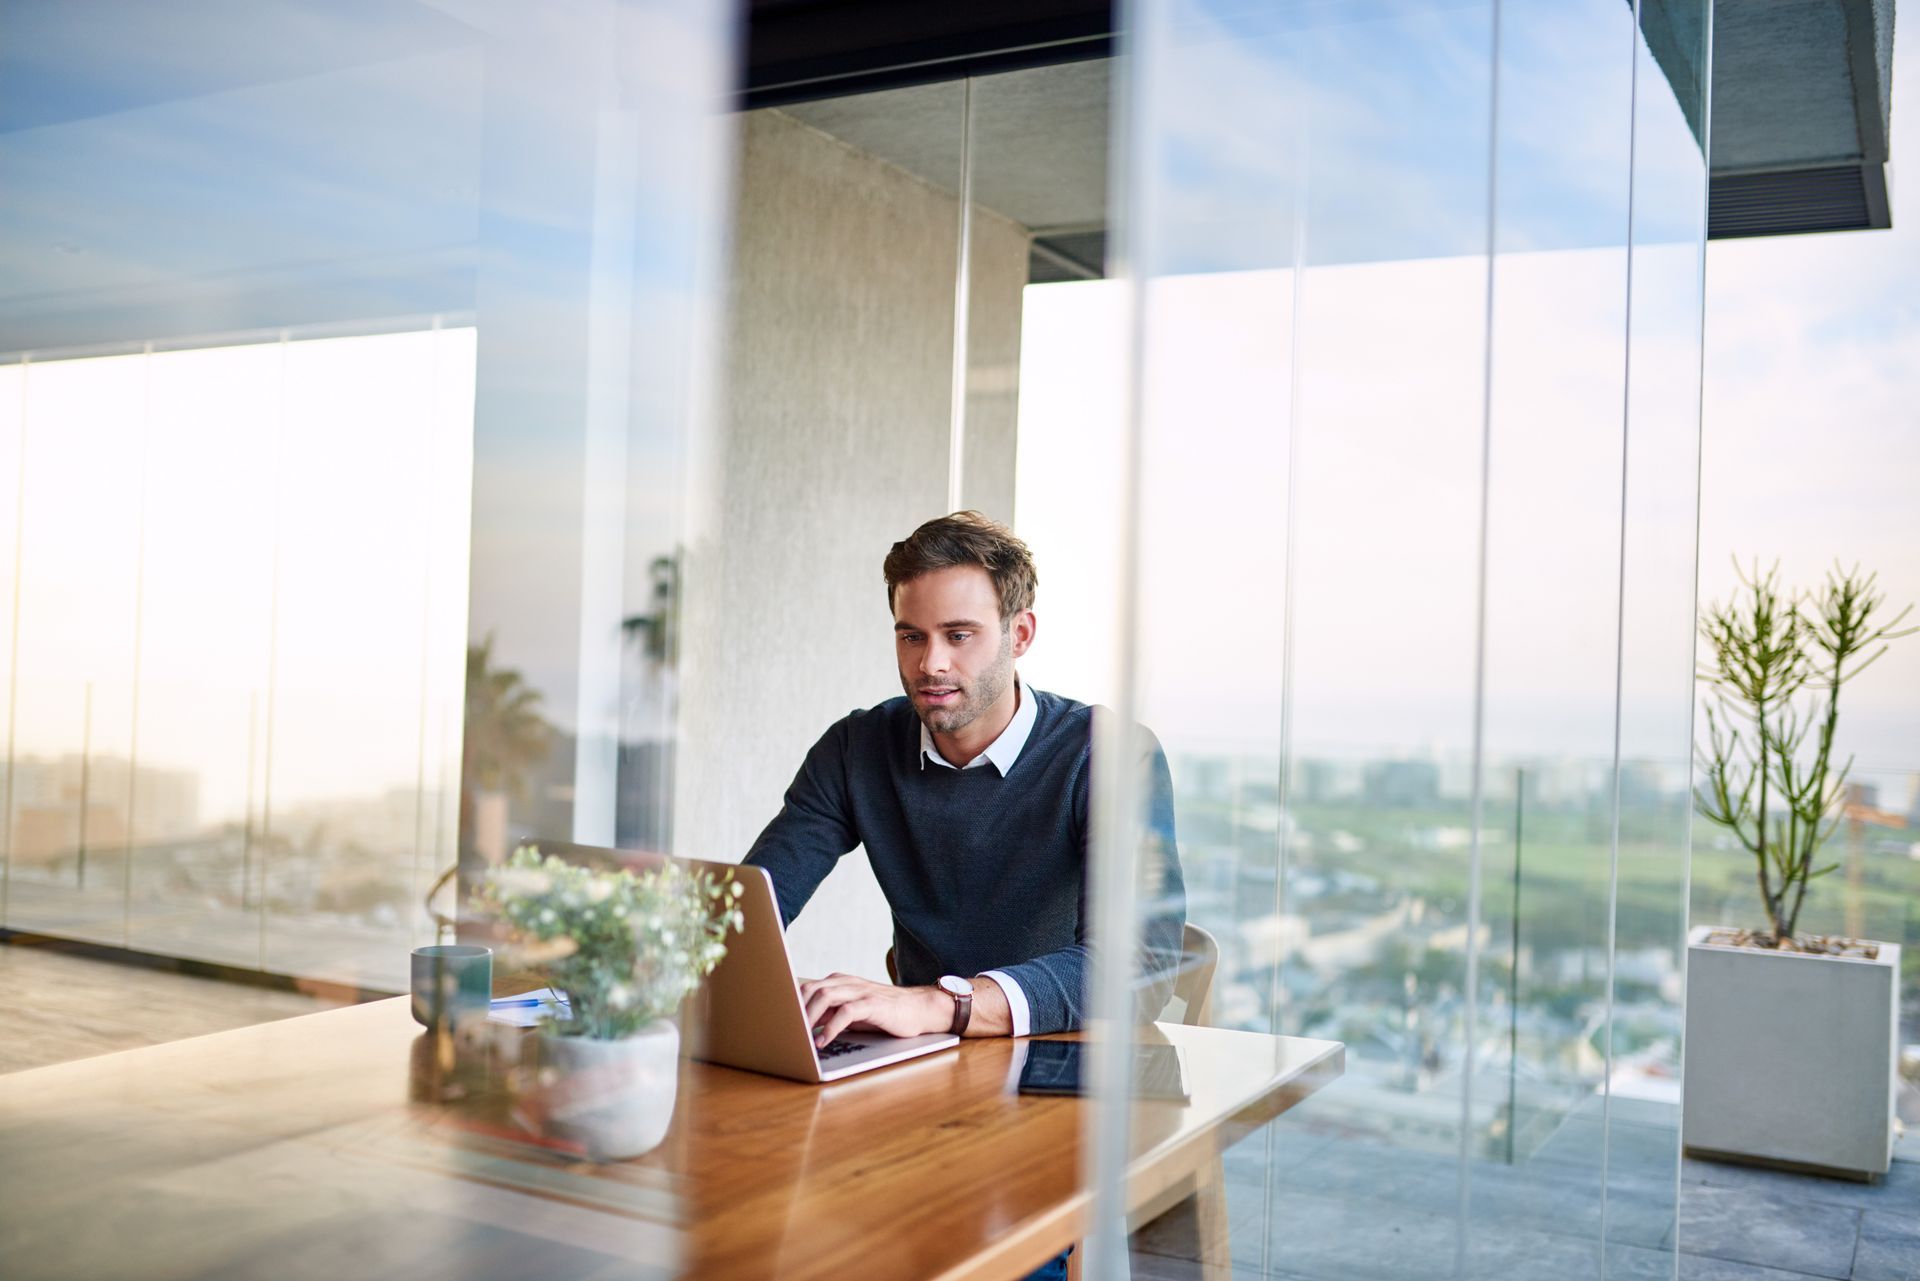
[
  {"x": 506, "y": 736},
  {"x": 506, "y": 740}
]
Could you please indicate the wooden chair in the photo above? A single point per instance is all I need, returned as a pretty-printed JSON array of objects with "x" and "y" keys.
[{"x": 1199, "y": 958}]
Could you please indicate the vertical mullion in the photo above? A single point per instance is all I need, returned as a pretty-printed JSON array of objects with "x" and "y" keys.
[
  {"x": 273, "y": 656},
  {"x": 1477, "y": 801},
  {"x": 1699, "y": 443},
  {"x": 13, "y": 650},
  {"x": 962, "y": 306},
  {"x": 1276, "y": 987},
  {"x": 1620, "y": 641},
  {"x": 139, "y": 656},
  {"x": 1115, "y": 830}
]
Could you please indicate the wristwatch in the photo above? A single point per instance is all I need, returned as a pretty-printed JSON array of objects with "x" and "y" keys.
[{"x": 962, "y": 993}]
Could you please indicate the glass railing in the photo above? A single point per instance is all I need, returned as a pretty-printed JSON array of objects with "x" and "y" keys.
[{"x": 1338, "y": 916}]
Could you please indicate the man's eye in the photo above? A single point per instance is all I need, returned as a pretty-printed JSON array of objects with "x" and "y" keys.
[
  {"x": 959, "y": 638},
  {"x": 910, "y": 638}
]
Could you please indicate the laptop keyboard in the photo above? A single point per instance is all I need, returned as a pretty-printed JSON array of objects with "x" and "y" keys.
[{"x": 834, "y": 1049}]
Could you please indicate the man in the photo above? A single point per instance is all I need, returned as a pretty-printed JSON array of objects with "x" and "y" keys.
[{"x": 970, "y": 794}]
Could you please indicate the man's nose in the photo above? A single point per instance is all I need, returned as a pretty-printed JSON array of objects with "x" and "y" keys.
[{"x": 933, "y": 659}]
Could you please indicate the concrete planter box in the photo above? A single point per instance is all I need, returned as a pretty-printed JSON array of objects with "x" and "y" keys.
[{"x": 1790, "y": 1058}]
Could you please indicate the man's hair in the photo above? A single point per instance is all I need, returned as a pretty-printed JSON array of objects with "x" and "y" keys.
[{"x": 967, "y": 538}]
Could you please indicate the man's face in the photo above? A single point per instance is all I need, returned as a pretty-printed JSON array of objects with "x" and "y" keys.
[{"x": 956, "y": 658}]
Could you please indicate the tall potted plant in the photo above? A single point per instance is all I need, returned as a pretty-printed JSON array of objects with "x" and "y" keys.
[
  {"x": 1791, "y": 1040},
  {"x": 623, "y": 950}
]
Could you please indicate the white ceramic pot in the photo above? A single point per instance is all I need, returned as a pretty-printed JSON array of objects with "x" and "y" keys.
[
  {"x": 1791, "y": 1058},
  {"x": 614, "y": 1098}
]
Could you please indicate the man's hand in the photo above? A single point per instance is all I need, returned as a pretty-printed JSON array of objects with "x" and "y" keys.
[{"x": 841, "y": 1001}]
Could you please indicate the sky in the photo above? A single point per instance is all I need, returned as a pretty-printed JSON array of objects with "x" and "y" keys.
[
  {"x": 245, "y": 562},
  {"x": 1809, "y": 451},
  {"x": 1810, "y": 447},
  {"x": 1377, "y": 412}
]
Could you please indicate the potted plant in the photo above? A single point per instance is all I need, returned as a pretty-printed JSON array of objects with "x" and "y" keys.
[
  {"x": 624, "y": 950},
  {"x": 1791, "y": 1040}
]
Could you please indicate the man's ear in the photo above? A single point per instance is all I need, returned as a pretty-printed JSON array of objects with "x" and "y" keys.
[{"x": 1024, "y": 628}]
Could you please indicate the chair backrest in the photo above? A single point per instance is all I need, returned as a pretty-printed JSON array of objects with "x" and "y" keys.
[
  {"x": 1199, "y": 958},
  {"x": 893, "y": 970}
]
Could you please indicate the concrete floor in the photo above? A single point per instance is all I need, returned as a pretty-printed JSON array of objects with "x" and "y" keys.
[
  {"x": 62, "y": 1006},
  {"x": 1322, "y": 1207},
  {"x": 1783, "y": 1226}
]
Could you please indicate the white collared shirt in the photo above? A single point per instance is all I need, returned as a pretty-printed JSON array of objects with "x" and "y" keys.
[
  {"x": 1003, "y": 751},
  {"x": 1001, "y": 754}
]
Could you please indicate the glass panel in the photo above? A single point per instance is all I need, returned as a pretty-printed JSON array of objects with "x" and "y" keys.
[
  {"x": 1814, "y": 329},
  {"x": 1382, "y": 259},
  {"x": 1038, "y": 177},
  {"x": 205, "y": 640},
  {"x": 13, "y": 387},
  {"x": 1659, "y": 546},
  {"x": 348, "y": 762},
  {"x": 244, "y": 436},
  {"x": 1557, "y": 389},
  {"x": 85, "y": 425},
  {"x": 220, "y": 559},
  {"x": 1275, "y": 203},
  {"x": 835, "y": 442},
  {"x": 601, "y": 179}
]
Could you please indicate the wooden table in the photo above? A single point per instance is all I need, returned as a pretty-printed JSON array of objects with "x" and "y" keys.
[{"x": 293, "y": 1149}]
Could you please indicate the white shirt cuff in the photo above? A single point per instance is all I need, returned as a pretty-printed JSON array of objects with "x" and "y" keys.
[{"x": 1016, "y": 1001}]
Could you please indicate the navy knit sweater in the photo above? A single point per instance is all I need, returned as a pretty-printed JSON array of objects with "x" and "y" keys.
[{"x": 983, "y": 872}]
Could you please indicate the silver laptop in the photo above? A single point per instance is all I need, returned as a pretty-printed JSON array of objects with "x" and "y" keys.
[
  {"x": 753, "y": 1017},
  {"x": 748, "y": 1013}
]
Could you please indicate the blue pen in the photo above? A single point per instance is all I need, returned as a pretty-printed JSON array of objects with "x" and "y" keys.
[{"x": 507, "y": 1003}]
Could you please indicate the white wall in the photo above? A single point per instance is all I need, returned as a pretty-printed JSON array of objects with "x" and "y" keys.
[{"x": 832, "y": 444}]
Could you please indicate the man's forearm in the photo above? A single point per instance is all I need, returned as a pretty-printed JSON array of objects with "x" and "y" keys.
[{"x": 992, "y": 1016}]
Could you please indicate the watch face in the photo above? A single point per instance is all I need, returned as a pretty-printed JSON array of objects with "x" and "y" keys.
[{"x": 956, "y": 987}]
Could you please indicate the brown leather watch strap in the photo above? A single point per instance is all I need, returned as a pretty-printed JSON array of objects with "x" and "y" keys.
[{"x": 962, "y": 1013}]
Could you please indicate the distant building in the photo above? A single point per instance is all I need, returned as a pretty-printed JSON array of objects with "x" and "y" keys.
[
  {"x": 1402, "y": 784},
  {"x": 66, "y": 803}
]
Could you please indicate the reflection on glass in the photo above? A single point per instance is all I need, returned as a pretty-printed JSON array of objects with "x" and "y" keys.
[
  {"x": 369, "y": 600},
  {"x": 346, "y": 352},
  {"x": 1558, "y": 374},
  {"x": 1399, "y": 269},
  {"x": 385, "y": 260},
  {"x": 1653, "y": 796},
  {"x": 84, "y": 428},
  {"x": 205, "y": 638},
  {"x": 835, "y": 441},
  {"x": 259, "y": 631}
]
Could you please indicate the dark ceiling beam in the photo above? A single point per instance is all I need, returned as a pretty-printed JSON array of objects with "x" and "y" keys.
[
  {"x": 799, "y": 50},
  {"x": 1801, "y": 108},
  {"x": 803, "y": 49}
]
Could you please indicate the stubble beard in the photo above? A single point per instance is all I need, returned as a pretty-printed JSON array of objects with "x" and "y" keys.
[{"x": 975, "y": 696}]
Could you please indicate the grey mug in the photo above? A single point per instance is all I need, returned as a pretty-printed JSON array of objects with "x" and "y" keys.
[{"x": 452, "y": 982}]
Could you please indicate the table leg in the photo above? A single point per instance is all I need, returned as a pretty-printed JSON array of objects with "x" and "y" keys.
[
  {"x": 1210, "y": 1215},
  {"x": 1193, "y": 1230}
]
